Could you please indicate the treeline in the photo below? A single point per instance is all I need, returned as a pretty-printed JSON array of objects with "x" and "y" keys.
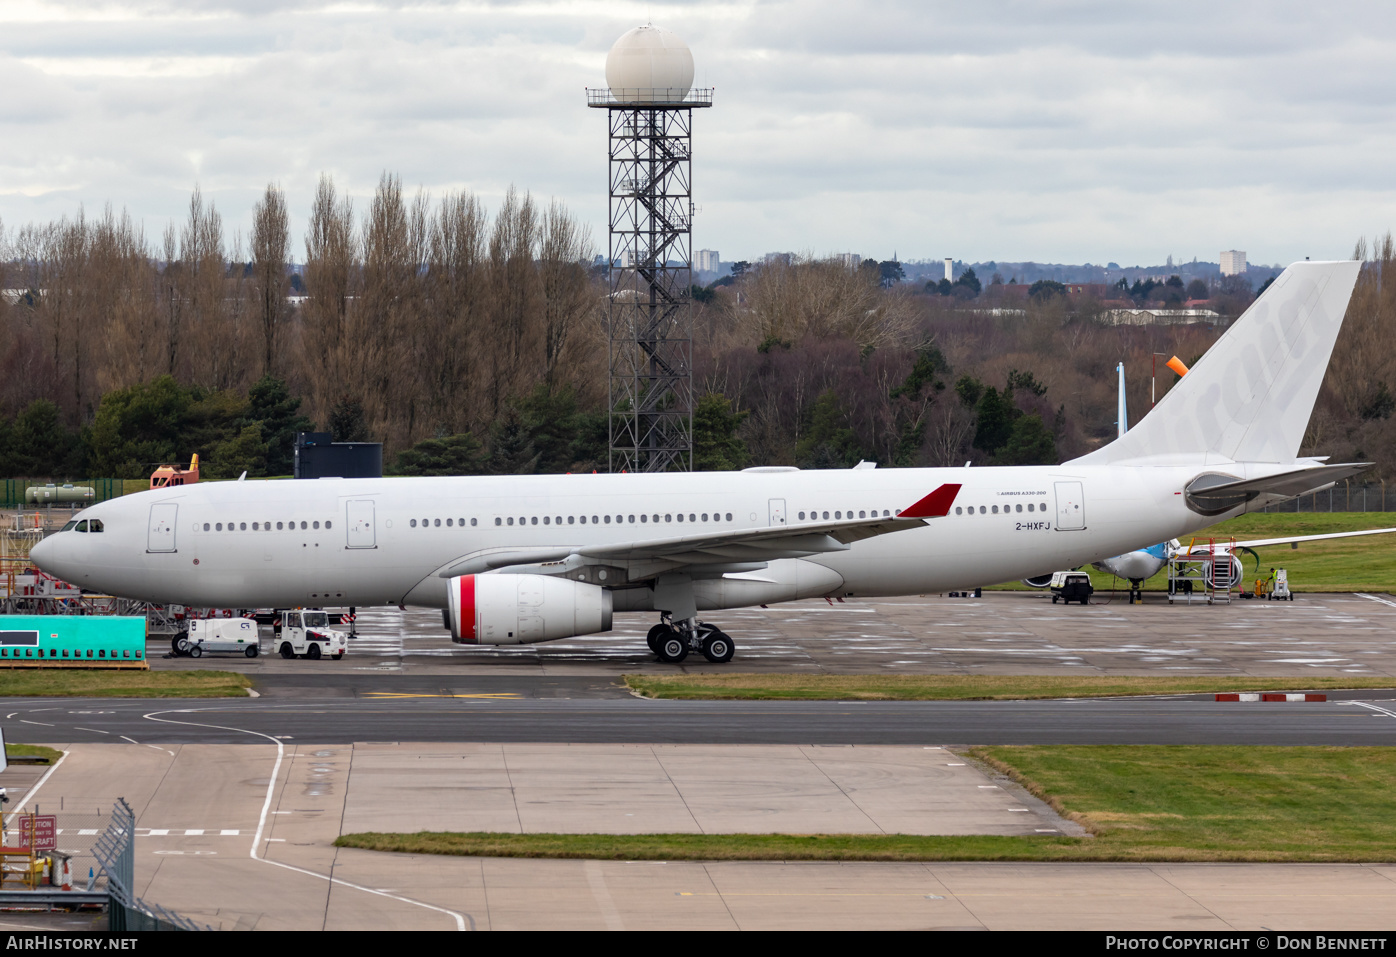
[
  {"x": 429, "y": 316},
  {"x": 472, "y": 342}
]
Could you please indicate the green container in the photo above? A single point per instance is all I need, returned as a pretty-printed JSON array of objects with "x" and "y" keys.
[{"x": 67, "y": 639}]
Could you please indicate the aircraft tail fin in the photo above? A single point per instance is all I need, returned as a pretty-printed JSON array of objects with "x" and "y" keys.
[{"x": 1249, "y": 398}]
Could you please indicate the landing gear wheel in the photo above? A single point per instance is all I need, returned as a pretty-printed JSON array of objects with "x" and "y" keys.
[
  {"x": 287, "y": 651},
  {"x": 657, "y": 634},
  {"x": 196, "y": 651},
  {"x": 180, "y": 646},
  {"x": 673, "y": 648},
  {"x": 313, "y": 652},
  {"x": 718, "y": 648},
  {"x": 251, "y": 651}
]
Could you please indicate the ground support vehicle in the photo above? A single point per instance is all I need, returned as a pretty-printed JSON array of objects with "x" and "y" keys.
[
  {"x": 234, "y": 635},
  {"x": 306, "y": 634},
  {"x": 1069, "y": 586}
]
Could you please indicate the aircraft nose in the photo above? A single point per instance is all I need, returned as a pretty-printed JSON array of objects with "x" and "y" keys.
[{"x": 44, "y": 553}]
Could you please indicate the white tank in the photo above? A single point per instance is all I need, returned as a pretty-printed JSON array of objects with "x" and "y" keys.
[{"x": 649, "y": 65}]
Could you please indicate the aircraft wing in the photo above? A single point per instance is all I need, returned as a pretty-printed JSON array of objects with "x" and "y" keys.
[
  {"x": 728, "y": 547},
  {"x": 1257, "y": 543}
]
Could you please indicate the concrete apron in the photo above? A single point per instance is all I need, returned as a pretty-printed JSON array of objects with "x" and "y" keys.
[{"x": 200, "y": 807}]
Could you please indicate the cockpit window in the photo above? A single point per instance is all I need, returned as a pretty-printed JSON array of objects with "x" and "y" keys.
[
  {"x": 82, "y": 527},
  {"x": 69, "y": 527},
  {"x": 95, "y": 525}
]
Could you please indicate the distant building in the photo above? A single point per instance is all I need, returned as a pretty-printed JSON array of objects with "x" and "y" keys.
[
  {"x": 1233, "y": 262},
  {"x": 850, "y": 260},
  {"x": 708, "y": 261},
  {"x": 949, "y": 269},
  {"x": 1160, "y": 317}
]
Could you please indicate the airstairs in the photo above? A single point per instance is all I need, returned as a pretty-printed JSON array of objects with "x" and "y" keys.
[{"x": 1202, "y": 572}]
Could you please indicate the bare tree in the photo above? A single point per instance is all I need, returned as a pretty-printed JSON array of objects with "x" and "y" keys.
[
  {"x": 271, "y": 249},
  {"x": 564, "y": 246},
  {"x": 331, "y": 266}
]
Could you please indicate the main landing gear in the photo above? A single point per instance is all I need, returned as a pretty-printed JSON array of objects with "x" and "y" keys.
[{"x": 672, "y": 643}]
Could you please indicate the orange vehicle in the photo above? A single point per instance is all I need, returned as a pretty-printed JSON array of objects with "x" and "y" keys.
[{"x": 169, "y": 475}]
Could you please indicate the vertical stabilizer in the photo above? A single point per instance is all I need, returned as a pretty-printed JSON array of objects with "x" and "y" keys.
[
  {"x": 1249, "y": 398},
  {"x": 1121, "y": 410}
]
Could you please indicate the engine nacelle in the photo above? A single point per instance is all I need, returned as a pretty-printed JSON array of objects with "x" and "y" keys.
[
  {"x": 1038, "y": 581},
  {"x": 521, "y": 609}
]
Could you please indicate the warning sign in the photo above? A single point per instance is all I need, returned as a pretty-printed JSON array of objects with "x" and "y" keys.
[{"x": 39, "y": 831}]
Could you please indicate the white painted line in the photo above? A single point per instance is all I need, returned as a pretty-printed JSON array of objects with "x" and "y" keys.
[
  {"x": 132, "y": 740},
  {"x": 1372, "y": 707},
  {"x": 23, "y": 721},
  {"x": 229, "y": 833},
  {"x": 158, "y": 832},
  {"x": 985, "y": 787},
  {"x": 194, "y": 832},
  {"x": 252, "y": 694},
  {"x": 266, "y": 808},
  {"x": 89, "y": 831},
  {"x": 93, "y": 730},
  {"x": 1384, "y": 601},
  {"x": 1019, "y": 810},
  {"x": 1045, "y": 830},
  {"x": 276, "y": 840},
  {"x": 953, "y": 764}
]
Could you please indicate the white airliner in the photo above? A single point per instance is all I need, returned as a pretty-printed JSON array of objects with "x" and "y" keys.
[{"x": 533, "y": 558}]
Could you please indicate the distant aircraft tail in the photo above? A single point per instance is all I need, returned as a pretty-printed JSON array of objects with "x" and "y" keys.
[{"x": 1249, "y": 398}]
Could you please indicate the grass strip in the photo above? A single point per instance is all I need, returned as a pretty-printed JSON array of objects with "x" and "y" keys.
[
  {"x": 72, "y": 683},
  {"x": 775, "y": 687},
  {"x": 1142, "y": 803},
  {"x": 33, "y": 751}
]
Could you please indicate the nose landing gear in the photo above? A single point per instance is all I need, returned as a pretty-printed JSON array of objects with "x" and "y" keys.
[{"x": 672, "y": 643}]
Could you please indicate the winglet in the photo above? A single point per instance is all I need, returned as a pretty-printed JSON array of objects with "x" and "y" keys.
[{"x": 935, "y": 505}]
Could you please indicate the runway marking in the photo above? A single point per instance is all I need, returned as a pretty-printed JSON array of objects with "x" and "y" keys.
[
  {"x": 93, "y": 730},
  {"x": 1373, "y": 707},
  {"x": 1384, "y": 601},
  {"x": 386, "y": 695},
  {"x": 257, "y": 840}
]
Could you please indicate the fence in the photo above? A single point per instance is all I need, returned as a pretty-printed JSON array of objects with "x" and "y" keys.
[
  {"x": 12, "y": 491},
  {"x": 115, "y": 850},
  {"x": 1345, "y": 497},
  {"x": 78, "y": 831}
]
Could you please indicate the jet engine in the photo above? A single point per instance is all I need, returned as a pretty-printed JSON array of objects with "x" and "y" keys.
[
  {"x": 1038, "y": 581},
  {"x": 520, "y": 609}
]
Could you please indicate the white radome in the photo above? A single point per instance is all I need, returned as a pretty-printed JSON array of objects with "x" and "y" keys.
[{"x": 649, "y": 65}]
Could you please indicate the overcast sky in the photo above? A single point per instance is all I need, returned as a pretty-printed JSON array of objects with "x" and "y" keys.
[{"x": 1058, "y": 132}]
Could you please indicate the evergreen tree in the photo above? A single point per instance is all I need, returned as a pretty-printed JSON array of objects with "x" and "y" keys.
[
  {"x": 277, "y": 412},
  {"x": 716, "y": 445}
]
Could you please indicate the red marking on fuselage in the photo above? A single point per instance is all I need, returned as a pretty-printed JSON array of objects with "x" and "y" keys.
[{"x": 935, "y": 505}]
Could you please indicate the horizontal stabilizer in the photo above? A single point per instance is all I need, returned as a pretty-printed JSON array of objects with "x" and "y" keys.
[{"x": 1213, "y": 494}]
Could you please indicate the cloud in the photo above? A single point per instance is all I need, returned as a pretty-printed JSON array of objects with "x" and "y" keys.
[{"x": 1006, "y": 130}]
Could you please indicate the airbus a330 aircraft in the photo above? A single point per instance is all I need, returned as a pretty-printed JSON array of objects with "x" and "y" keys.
[{"x": 532, "y": 558}]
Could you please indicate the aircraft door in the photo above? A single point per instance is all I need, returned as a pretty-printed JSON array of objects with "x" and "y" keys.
[
  {"x": 359, "y": 527},
  {"x": 161, "y": 534},
  {"x": 1071, "y": 507},
  {"x": 777, "y": 512}
]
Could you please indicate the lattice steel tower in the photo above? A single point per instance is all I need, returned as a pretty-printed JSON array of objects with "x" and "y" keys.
[{"x": 649, "y": 104}]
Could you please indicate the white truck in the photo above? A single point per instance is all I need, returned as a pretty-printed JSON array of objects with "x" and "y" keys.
[
  {"x": 237, "y": 635},
  {"x": 306, "y": 634}
]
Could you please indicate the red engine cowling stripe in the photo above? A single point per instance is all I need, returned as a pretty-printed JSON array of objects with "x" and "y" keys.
[{"x": 466, "y": 624}]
